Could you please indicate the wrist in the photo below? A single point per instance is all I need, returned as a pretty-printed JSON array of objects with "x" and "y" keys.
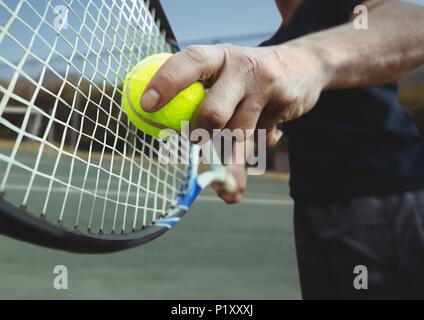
[{"x": 315, "y": 59}]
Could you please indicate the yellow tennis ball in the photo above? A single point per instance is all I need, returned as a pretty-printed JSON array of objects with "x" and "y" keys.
[{"x": 181, "y": 108}]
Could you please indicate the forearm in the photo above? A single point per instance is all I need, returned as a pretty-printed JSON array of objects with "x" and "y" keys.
[{"x": 392, "y": 45}]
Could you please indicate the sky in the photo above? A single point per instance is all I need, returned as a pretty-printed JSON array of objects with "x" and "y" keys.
[{"x": 194, "y": 20}]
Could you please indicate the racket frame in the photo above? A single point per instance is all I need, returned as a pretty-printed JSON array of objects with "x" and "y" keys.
[
  {"x": 18, "y": 223},
  {"x": 21, "y": 225}
]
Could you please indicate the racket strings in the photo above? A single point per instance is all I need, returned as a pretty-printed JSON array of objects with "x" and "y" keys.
[{"x": 85, "y": 166}]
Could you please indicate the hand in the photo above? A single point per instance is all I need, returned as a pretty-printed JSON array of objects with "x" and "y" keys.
[
  {"x": 240, "y": 175},
  {"x": 249, "y": 88}
]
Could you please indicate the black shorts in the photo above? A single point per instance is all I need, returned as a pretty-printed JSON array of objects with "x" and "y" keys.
[{"x": 364, "y": 248}]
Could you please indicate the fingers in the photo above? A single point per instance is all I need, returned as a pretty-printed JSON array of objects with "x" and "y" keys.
[
  {"x": 219, "y": 104},
  {"x": 273, "y": 136},
  {"x": 240, "y": 175},
  {"x": 250, "y": 115},
  {"x": 269, "y": 120},
  {"x": 246, "y": 115},
  {"x": 180, "y": 71}
]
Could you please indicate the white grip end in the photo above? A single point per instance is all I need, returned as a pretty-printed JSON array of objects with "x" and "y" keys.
[{"x": 230, "y": 183}]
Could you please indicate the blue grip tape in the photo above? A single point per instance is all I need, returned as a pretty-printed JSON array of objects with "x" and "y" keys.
[{"x": 191, "y": 195}]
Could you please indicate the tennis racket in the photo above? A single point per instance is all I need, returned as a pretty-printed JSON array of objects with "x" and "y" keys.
[{"x": 75, "y": 174}]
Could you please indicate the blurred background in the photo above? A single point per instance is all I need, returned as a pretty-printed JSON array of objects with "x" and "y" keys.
[{"x": 238, "y": 21}]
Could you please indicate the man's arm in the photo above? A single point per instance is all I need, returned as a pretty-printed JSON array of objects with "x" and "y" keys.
[{"x": 391, "y": 46}]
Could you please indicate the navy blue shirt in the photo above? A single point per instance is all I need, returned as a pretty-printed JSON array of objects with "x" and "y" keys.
[{"x": 354, "y": 142}]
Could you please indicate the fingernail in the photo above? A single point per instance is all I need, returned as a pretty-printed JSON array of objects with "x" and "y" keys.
[
  {"x": 150, "y": 99},
  {"x": 279, "y": 134}
]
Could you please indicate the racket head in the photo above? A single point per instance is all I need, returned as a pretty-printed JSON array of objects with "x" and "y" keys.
[{"x": 96, "y": 185}]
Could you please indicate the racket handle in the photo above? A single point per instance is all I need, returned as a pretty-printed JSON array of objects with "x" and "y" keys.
[
  {"x": 221, "y": 175},
  {"x": 219, "y": 172}
]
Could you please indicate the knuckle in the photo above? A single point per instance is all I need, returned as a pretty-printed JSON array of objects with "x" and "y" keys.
[
  {"x": 196, "y": 54},
  {"x": 251, "y": 64},
  {"x": 285, "y": 116},
  {"x": 255, "y": 107},
  {"x": 167, "y": 78},
  {"x": 291, "y": 112},
  {"x": 298, "y": 112},
  {"x": 213, "y": 115},
  {"x": 259, "y": 71},
  {"x": 296, "y": 109},
  {"x": 266, "y": 73},
  {"x": 228, "y": 48}
]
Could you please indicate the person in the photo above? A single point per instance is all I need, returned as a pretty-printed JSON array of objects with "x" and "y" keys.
[{"x": 357, "y": 159}]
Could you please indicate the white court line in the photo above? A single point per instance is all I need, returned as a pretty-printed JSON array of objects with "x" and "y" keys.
[
  {"x": 251, "y": 201},
  {"x": 262, "y": 201}
]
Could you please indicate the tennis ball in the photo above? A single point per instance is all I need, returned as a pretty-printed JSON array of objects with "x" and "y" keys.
[{"x": 181, "y": 108}]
